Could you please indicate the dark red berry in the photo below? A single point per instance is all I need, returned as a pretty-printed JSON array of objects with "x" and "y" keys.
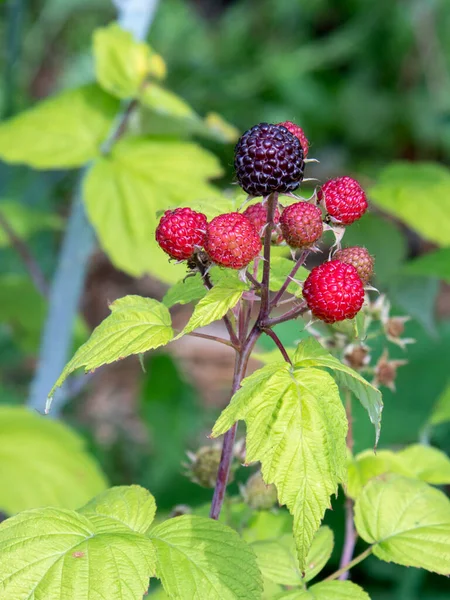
[
  {"x": 257, "y": 214},
  {"x": 232, "y": 241},
  {"x": 268, "y": 159},
  {"x": 301, "y": 224},
  {"x": 333, "y": 291},
  {"x": 344, "y": 199},
  {"x": 359, "y": 258},
  {"x": 299, "y": 134},
  {"x": 180, "y": 231}
]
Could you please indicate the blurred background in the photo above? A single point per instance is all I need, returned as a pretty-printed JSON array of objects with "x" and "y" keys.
[{"x": 370, "y": 84}]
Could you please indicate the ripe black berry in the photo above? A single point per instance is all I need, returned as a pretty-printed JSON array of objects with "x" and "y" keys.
[{"x": 268, "y": 158}]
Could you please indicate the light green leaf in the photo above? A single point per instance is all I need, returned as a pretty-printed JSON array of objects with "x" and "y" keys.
[
  {"x": 166, "y": 103},
  {"x": 43, "y": 463},
  {"x": 121, "y": 63},
  {"x": 135, "y": 325},
  {"x": 403, "y": 189},
  {"x": 189, "y": 289},
  {"x": 203, "y": 559},
  {"x": 296, "y": 427},
  {"x": 131, "y": 505},
  {"x": 26, "y": 221},
  {"x": 426, "y": 463},
  {"x": 52, "y": 554},
  {"x": 62, "y": 132},
  {"x": 367, "y": 465},
  {"x": 328, "y": 590},
  {"x": 221, "y": 129},
  {"x": 407, "y": 521},
  {"x": 125, "y": 190},
  {"x": 280, "y": 268},
  {"x": 217, "y": 302},
  {"x": 441, "y": 411},
  {"x": 267, "y": 525},
  {"x": 278, "y": 562},
  {"x": 310, "y": 353},
  {"x": 434, "y": 264}
]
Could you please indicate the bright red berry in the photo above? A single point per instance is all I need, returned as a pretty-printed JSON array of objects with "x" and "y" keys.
[
  {"x": 359, "y": 258},
  {"x": 344, "y": 198},
  {"x": 299, "y": 134},
  {"x": 301, "y": 224},
  {"x": 232, "y": 240},
  {"x": 180, "y": 231},
  {"x": 257, "y": 214},
  {"x": 333, "y": 291}
]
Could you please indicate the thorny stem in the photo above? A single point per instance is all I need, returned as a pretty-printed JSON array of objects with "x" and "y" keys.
[
  {"x": 213, "y": 338},
  {"x": 27, "y": 257},
  {"x": 265, "y": 293},
  {"x": 300, "y": 262},
  {"x": 295, "y": 312},
  {"x": 350, "y": 565},
  {"x": 279, "y": 344},
  {"x": 350, "y": 532}
]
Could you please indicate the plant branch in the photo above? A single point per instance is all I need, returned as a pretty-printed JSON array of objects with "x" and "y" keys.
[
  {"x": 350, "y": 532},
  {"x": 299, "y": 263},
  {"x": 279, "y": 344},
  {"x": 295, "y": 312},
  {"x": 337, "y": 574},
  {"x": 27, "y": 257},
  {"x": 265, "y": 293},
  {"x": 253, "y": 280},
  {"x": 212, "y": 338}
]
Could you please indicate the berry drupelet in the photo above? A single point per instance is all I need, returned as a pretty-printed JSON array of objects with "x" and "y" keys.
[
  {"x": 301, "y": 224},
  {"x": 299, "y": 134},
  {"x": 344, "y": 199},
  {"x": 180, "y": 232},
  {"x": 358, "y": 257}
]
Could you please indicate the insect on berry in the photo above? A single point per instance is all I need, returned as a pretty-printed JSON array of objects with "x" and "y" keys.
[{"x": 344, "y": 200}]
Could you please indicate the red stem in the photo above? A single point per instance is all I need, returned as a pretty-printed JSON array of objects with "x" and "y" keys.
[
  {"x": 295, "y": 312},
  {"x": 279, "y": 344}
]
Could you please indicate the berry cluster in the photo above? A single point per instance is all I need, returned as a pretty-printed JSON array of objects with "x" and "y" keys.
[{"x": 270, "y": 159}]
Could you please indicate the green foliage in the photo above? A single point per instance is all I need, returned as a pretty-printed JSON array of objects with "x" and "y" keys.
[
  {"x": 121, "y": 63},
  {"x": 217, "y": 302},
  {"x": 125, "y": 190},
  {"x": 166, "y": 103},
  {"x": 99, "y": 551},
  {"x": 201, "y": 558},
  {"x": 134, "y": 326},
  {"x": 294, "y": 417},
  {"x": 328, "y": 590},
  {"x": 25, "y": 221},
  {"x": 403, "y": 189},
  {"x": 441, "y": 412},
  {"x": 435, "y": 264},
  {"x": 65, "y": 131},
  {"x": 43, "y": 463},
  {"x": 406, "y": 521},
  {"x": 189, "y": 289},
  {"x": 310, "y": 353}
]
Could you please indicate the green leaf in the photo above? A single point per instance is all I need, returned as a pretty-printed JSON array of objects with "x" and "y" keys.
[
  {"x": 403, "y": 189},
  {"x": 434, "y": 264},
  {"x": 43, "y": 463},
  {"x": 310, "y": 353},
  {"x": 441, "y": 411},
  {"x": 62, "y": 132},
  {"x": 135, "y": 325},
  {"x": 121, "y": 63},
  {"x": 217, "y": 302},
  {"x": 426, "y": 463},
  {"x": 328, "y": 590},
  {"x": 131, "y": 505},
  {"x": 53, "y": 553},
  {"x": 165, "y": 102},
  {"x": 203, "y": 559},
  {"x": 406, "y": 521},
  {"x": 296, "y": 427},
  {"x": 26, "y": 221},
  {"x": 124, "y": 191},
  {"x": 278, "y": 562},
  {"x": 189, "y": 289},
  {"x": 367, "y": 465},
  {"x": 267, "y": 525}
]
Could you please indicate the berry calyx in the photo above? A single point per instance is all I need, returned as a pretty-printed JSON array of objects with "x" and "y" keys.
[
  {"x": 299, "y": 134},
  {"x": 359, "y": 258},
  {"x": 232, "y": 240},
  {"x": 257, "y": 214},
  {"x": 333, "y": 291},
  {"x": 180, "y": 232},
  {"x": 268, "y": 159},
  {"x": 301, "y": 224},
  {"x": 344, "y": 199}
]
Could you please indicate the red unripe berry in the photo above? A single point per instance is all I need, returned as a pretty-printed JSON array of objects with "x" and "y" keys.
[
  {"x": 333, "y": 291},
  {"x": 345, "y": 200},
  {"x": 301, "y": 224},
  {"x": 232, "y": 241},
  {"x": 359, "y": 258},
  {"x": 257, "y": 214},
  {"x": 180, "y": 231},
  {"x": 299, "y": 134}
]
